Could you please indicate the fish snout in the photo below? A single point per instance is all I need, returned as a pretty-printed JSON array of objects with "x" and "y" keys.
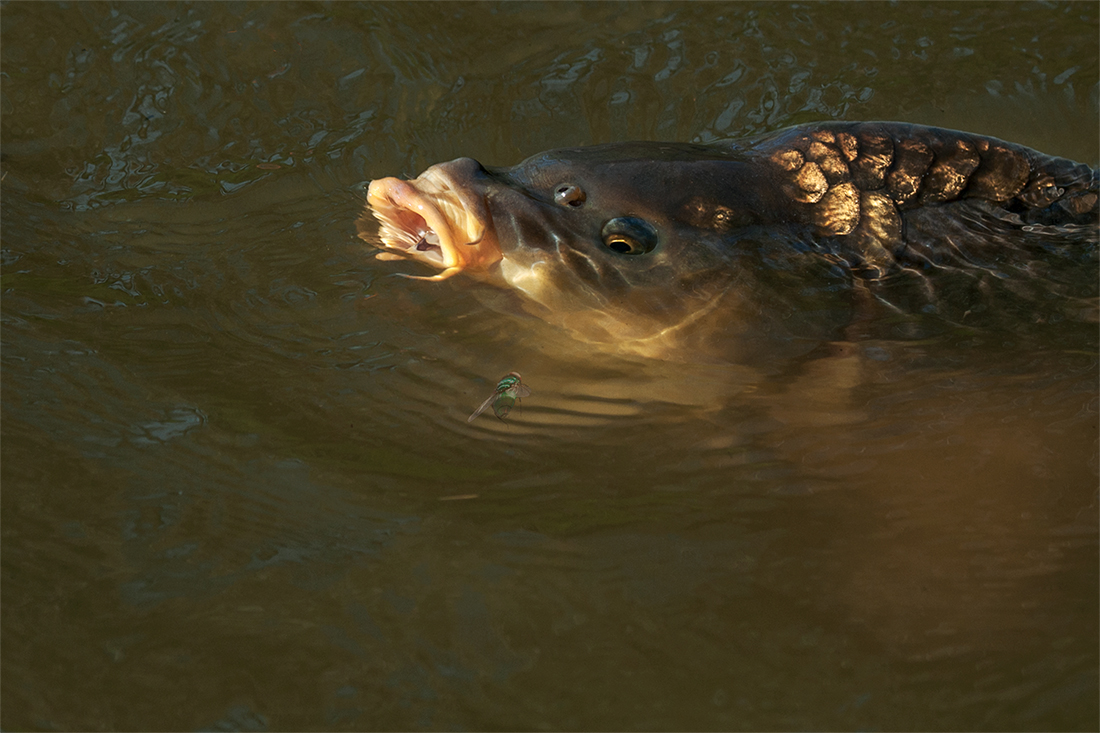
[
  {"x": 461, "y": 173},
  {"x": 439, "y": 218}
]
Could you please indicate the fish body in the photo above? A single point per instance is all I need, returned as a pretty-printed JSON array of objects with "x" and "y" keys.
[
  {"x": 509, "y": 390},
  {"x": 743, "y": 242}
]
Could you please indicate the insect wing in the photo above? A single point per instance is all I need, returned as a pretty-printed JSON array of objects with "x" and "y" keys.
[{"x": 482, "y": 408}]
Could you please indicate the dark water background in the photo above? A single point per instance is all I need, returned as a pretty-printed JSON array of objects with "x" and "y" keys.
[{"x": 238, "y": 488}]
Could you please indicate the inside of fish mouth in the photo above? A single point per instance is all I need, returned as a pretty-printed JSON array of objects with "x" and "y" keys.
[
  {"x": 429, "y": 241},
  {"x": 422, "y": 237}
]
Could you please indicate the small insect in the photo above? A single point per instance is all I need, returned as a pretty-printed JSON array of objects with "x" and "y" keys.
[{"x": 509, "y": 390}]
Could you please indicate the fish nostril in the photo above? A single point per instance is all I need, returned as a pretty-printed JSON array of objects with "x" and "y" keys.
[{"x": 569, "y": 194}]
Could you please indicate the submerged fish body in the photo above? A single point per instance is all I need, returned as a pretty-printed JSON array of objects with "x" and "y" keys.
[{"x": 646, "y": 245}]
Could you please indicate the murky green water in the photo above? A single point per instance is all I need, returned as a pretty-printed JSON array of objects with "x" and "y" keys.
[{"x": 239, "y": 490}]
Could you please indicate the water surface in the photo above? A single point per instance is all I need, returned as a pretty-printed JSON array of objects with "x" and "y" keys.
[{"x": 239, "y": 490}]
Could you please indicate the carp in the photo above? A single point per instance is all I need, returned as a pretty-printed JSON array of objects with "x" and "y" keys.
[{"x": 652, "y": 246}]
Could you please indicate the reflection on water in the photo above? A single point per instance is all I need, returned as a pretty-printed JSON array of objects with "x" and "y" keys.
[{"x": 239, "y": 488}]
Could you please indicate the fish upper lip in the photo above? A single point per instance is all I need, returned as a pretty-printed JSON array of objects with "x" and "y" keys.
[{"x": 410, "y": 212}]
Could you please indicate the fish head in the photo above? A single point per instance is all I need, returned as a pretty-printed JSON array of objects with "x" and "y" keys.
[{"x": 631, "y": 244}]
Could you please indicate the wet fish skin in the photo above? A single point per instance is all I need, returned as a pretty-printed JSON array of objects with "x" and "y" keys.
[
  {"x": 640, "y": 242},
  {"x": 873, "y": 172}
]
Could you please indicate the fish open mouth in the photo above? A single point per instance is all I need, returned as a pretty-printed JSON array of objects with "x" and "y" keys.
[{"x": 432, "y": 220}]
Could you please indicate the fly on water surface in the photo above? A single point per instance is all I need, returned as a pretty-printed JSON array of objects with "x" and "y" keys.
[{"x": 509, "y": 390}]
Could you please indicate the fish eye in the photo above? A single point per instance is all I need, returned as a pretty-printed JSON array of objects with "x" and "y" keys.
[
  {"x": 629, "y": 235},
  {"x": 569, "y": 194}
]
